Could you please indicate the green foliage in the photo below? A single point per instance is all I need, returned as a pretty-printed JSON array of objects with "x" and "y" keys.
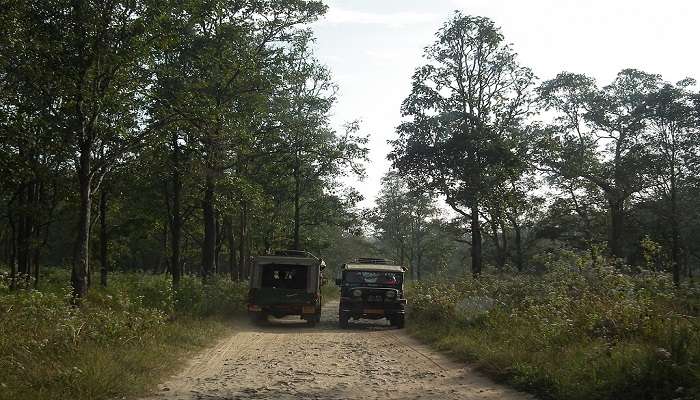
[
  {"x": 219, "y": 296},
  {"x": 651, "y": 252},
  {"x": 575, "y": 332},
  {"x": 155, "y": 292},
  {"x": 120, "y": 340},
  {"x": 462, "y": 136}
]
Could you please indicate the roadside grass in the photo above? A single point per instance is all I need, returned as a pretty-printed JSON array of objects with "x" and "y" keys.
[
  {"x": 329, "y": 293},
  {"x": 569, "y": 334},
  {"x": 585, "y": 370},
  {"x": 114, "y": 370},
  {"x": 120, "y": 342}
]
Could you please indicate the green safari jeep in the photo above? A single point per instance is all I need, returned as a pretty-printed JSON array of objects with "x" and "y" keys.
[
  {"x": 371, "y": 288},
  {"x": 286, "y": 283}
]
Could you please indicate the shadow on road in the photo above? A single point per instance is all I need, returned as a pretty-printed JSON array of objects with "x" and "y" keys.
[{"x": 329, "y": 323}]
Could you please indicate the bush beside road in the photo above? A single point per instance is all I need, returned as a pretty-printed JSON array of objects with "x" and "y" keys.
[
  {"x": 571, "y": 333},
  {"x": 122, "y": 340}
]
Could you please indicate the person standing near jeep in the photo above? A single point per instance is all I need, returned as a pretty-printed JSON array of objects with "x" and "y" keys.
[{"x": 371, "y": 288}]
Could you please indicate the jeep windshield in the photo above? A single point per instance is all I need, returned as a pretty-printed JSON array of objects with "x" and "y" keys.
[{"x": 373, "y": 278}]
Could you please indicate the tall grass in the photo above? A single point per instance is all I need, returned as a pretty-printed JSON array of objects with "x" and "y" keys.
[
  {"x": 575, "y": 332},
  {"x": 121, "y": 340}
]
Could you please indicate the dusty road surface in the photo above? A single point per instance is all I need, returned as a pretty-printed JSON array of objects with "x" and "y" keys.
[{"x": 287, "y": 360}]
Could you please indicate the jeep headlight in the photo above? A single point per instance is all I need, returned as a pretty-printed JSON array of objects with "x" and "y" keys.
[
  {"x": 357, "y": 292},
  {"x": 390, "y": 294}
]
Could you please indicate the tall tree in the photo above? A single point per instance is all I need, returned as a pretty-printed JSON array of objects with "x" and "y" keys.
[
  {"x": 227, "y": 55},
  {"x": 95, "y": 51},
  {"x": 34, "y": 153},
  {"x": 597, "y": 136},
  {"x": 402, "y": 220},
  {"x": 308, "y": 147},
  {"x": 466, "y": 104},
  {"x": 673, "y": 139}
]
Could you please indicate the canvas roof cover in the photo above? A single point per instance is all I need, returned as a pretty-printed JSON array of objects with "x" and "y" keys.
[{"x": 373, "y": 267}]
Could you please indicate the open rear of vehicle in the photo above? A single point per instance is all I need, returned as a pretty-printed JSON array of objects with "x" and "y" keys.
[{"x": 287, "y": 283}]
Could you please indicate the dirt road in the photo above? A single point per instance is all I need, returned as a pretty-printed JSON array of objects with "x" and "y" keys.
[{"x": 288, "y": 360}]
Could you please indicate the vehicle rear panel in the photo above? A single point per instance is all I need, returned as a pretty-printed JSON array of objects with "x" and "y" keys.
[{"x": 276, "y": 296}]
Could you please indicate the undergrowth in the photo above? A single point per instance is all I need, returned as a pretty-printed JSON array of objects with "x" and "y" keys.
[
  {"x": 120, "y": 341},
  {"x": 575, "y": 332}
]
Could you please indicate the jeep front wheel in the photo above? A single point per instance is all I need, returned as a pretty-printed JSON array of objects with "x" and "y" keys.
[
  {"x": 343, "y": 320},
  {"x": 398, "y": 321},
  {"x": 312, "y": 320},
  {"x": 258, "y": 318}
]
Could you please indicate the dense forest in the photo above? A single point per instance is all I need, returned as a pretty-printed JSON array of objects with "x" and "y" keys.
[
  {"x": 179, "y": 137},
  {"x": 528, "y": 167},
  {"x": 176, "y": 140},
  {"x": 185, "y": 138}
]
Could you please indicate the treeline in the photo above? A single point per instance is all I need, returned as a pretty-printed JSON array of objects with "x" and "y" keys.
[
  {"x": 178, "y": 136},
  {"x": 528, "y": 166}
]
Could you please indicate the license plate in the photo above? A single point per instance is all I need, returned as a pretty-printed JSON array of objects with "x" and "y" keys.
[
  {"x": 373, "y": 311},
  {"x": 308, "y": 310}
]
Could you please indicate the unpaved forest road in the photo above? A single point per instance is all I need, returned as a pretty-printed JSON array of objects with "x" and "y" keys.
[{"x": 287, "y": 360}]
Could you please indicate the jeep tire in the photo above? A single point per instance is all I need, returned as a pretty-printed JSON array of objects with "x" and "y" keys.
[
  {"x": 397, "y": 321},
  {"x": 343, "y": 320},
  {"x": 258, "y": 318},
  {"x": 312, "y": 320}
]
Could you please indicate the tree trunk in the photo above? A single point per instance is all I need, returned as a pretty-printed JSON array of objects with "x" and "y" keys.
[
  {"x": 231, "y": 244},
  {"x": 496, "y": 238},
  {"x": 26, "y": 229},
  {"x": 675, "y": 232},
  {"x": 13, "y": 253},
  {"x": 162, "y": 263},
  {"x": 476, "y": 237},
  {"x": 81, "y": 259},
  {"x": 504, "y": 254},
  {"x": 36, "y": 251},
  {"x": 418, "y": 264},
  {"x": 242, "y": 235},
  {"x": 104, "y": 239},
  {"x": 209, "y": 244},
  {"x": 7, "y": 241},
  {"x": 518, "y": 247},
  {"x": 219, "y": 243},
  {"x": 248, "y": 252},
  {"x": 617, "y": 215},
  {"x": 297, "y": 210},
  {"x": 176, "y": 217}
]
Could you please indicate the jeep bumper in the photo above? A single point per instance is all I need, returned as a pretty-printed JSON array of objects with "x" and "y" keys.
[{"x": 372, "y": 310}]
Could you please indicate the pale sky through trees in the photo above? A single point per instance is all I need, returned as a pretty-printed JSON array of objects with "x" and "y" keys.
[{"x": 373, "y": 46}]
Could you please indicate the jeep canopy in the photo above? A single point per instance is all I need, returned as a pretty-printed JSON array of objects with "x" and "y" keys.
[
  {"x": 299, "y": 273},
  {"x": 373, "y": 267}
]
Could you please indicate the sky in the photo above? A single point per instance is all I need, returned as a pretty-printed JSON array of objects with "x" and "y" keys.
[{"x": 373, "y": 47}]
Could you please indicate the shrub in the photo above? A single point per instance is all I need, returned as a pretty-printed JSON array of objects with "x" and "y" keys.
[
  {"x": 50, "y": 348},
  {"x": 219, "y": 296},
  {"x": 573, "y": 332},
  {"x": 147, "y": 291}
]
